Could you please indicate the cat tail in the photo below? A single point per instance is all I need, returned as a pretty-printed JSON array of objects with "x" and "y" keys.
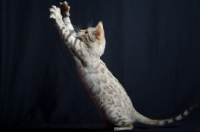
[{"x": 142, "y": 119}]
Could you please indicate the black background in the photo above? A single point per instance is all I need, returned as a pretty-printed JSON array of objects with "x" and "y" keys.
[{"x": 153, "y": 48}]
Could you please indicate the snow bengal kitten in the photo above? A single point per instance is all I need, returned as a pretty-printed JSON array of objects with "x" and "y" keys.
[{"x": 109, "y": 96}]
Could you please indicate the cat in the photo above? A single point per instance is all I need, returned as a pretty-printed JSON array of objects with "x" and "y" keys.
[{"x": 108, "y": 95}]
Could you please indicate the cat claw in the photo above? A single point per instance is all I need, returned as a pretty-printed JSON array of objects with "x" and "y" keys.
[
  {"x": 56, "y": 8},
  {"x": 65, "y": 9},
  {"x": 53, "y": 6},
  {"x": 52, "y": 16},
  {"x": 55, "y": 12},
  {"x": 64, "y": 3},
  {"x": 64, "y": 6}
]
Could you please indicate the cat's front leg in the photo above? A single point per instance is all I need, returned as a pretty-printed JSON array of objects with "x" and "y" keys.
[
  {"x": 65, "y": 8},
  {"x": 66, "y": 34},
  {"x": 72, "y": 42}
]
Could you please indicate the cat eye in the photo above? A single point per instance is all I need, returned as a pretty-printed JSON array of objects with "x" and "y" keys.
[{"x": 86, "y": 32}]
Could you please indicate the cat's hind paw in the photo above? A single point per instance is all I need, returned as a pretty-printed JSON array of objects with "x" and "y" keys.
[{"x": 55, "y": 12}]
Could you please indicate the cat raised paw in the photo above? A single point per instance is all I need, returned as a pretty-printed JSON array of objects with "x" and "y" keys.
[
  {"x": 64, "y": 9},
  {"x": 55, "y": 12}
]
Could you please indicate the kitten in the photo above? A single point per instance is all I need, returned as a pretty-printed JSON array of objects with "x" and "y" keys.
[{"x": 109, "y": 96}]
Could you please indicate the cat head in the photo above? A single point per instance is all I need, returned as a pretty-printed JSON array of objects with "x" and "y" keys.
[{"x": 94, "y": 38}]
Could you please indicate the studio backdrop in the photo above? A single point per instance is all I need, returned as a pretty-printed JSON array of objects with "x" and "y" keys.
[{"x": 152, "y": 48}]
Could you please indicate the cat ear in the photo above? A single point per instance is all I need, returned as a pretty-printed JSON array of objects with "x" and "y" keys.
[
  {"x": 100, "y": 24},
  {"x": 99, "y": 30}
]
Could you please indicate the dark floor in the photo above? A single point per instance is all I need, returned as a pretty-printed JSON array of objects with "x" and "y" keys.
[{"x": 172, "y": 128}]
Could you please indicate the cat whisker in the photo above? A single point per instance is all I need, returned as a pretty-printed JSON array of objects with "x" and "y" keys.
[
  {"x": 76, "y": 29},
  {"x": 88, "y": 25},
  {"x": 91, "y": 21},
  {"x": 79, "y": 24}
]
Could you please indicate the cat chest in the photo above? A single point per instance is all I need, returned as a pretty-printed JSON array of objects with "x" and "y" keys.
[
  {"x": 93, "y": 88},
  {"x": 104, "y": 90}
]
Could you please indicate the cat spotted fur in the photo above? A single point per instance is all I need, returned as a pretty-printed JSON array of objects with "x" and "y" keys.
[{"x": 108, "y": 95}]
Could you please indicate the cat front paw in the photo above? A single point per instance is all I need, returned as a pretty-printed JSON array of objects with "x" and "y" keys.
[
  {"x": 55, "y": 12},
  {"x": 64, "y": 9}
]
